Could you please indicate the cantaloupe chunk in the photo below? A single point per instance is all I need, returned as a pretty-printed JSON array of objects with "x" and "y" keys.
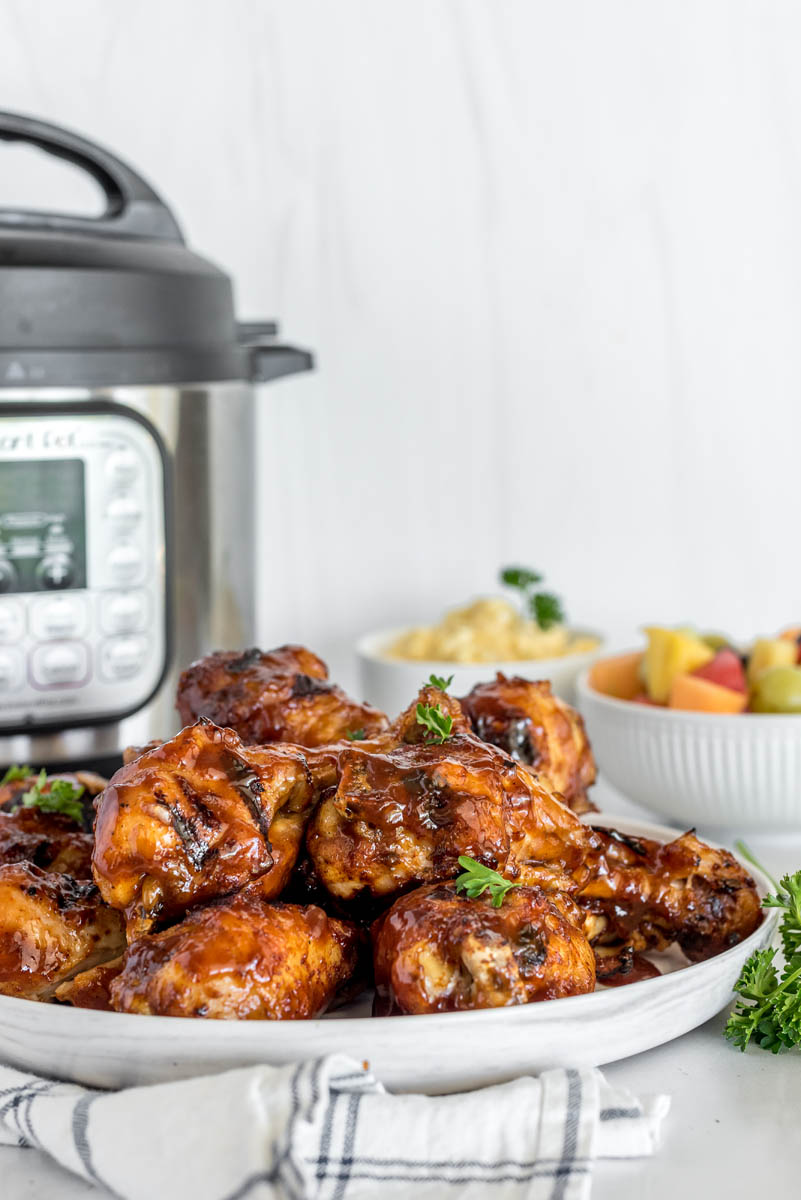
[
  {"x": 618, "y": 676},
  {"x": 671, "y": 652},
  {"x": 699, "y": 695}
]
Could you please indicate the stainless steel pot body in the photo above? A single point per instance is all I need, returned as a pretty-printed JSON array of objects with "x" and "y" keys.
[{"x": 127, "y": 549}]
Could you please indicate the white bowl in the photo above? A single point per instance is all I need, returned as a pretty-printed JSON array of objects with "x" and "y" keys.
[
  {"x": 707, "y": 769},
  {"x": 392, "y": 683}
]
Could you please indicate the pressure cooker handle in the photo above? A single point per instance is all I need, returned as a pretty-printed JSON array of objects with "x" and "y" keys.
[{"x": 133, "y": 209}]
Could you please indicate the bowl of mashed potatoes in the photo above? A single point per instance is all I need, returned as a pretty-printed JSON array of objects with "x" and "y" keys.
[{"x": 472, "y": 644}]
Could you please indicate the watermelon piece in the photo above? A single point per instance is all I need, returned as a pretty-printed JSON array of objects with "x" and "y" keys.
[{"x": 726, "y": 670}]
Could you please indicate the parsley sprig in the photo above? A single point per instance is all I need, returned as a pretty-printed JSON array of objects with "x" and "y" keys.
[
  {"x": 16, "y": 774},
  {"x": 438, "y": 723},
  {"x": 543, "y": 607},
  {"x": 769, "y": 1007},
  {"x": 477, "y": 879},
  {"x": 439, "y": 681},
  {"x": 62, "y": 796},
  {"x": 355, "y": 735}
]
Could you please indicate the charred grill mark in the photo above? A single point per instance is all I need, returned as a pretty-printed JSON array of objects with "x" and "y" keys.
[
  {"x": 512, "y": 735},
  {"x": 625, "y": 839},
  {"x": 196, "y": 846},
  {"x": 246, "y": 660},
  {"x": 532, "y": 952},
  {"x": 198, "y": 803},
  {"x": 250, "y": 789},
  {"x": 196, "y": 849},
  {"x": 305, "y": 685},
  {"x": 434, "y": 811}
]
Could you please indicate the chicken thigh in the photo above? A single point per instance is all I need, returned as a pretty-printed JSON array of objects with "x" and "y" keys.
[
  {"x": 199, "y": 816},
  {"x": 281, "y": 696},
  {"x": 406, "y": 807},
  {"x": 239, "y": 958},
  {"x": 47, "y": 840},
  {"x": 532, "y": 725},
  {"x": 50, "y": 925}
]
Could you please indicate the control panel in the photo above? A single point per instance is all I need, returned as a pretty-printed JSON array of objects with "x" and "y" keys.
[{"x": 83, "y": 605}]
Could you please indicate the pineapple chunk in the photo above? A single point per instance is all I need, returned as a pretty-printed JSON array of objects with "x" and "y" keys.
[
  {"x": 767, "y": 653},
  {"x": 671, "y": 652}
]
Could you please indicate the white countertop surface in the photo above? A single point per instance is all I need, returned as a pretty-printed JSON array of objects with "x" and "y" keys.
[{"x": 733, "y": 1128}]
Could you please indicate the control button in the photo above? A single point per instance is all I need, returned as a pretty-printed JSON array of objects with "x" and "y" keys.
[
  {"x": 124, "y": 511},
  {"x": 59, "y": 617},
  {"x": 8, "y": 576},
  {"x": 123, "y": 612},
  {"x": 125, "y": 562},
  {"x": 12, "y": 670},
  {"x": 64, "y": 663},
  {"x": 122, "y": 657},
  {"x": 12, "y": 620},
  {"x": 56, "y": 571},
  {"x": 122, "y": 467}
]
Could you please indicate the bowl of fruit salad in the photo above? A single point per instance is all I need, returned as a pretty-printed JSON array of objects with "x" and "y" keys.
[{"x": 701, "y": 730}]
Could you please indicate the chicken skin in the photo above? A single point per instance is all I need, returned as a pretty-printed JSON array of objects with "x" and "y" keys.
[
  {"x": 197, "y": 817},
  {"x": 648, "y": 894},
  {"x": 538, "y": 729},
  {"x": 438, "y": 951},
  {"x": 50, "y": 925},
  {"x": 47, "y": 840},
  {"x": 239, "y": 958},
  {"x": 90, "y": 988},
  {"x": 405, "y": 808},
  {"x": 281, "y": 696}
]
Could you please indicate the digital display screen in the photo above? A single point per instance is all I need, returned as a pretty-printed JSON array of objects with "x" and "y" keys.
[{"x": 42, "y": 525}]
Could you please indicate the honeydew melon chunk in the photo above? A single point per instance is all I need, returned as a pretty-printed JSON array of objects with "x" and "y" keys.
[{"x": 767, "y": 653}]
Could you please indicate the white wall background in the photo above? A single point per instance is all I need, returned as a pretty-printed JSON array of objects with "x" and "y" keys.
[{"x": 549, "y": 258}]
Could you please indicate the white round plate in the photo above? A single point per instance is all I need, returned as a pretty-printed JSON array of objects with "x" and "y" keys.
[{"x": 443, "y": 1052}]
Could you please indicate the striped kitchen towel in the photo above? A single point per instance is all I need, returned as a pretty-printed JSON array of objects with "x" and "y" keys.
[{"x": 326, "y": 1130}]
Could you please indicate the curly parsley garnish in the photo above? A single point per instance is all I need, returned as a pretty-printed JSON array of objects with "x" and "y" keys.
[
  {"x": 544, "y": 608},
  {"x": 355, "y": 735},
  {"x": 439, "y": 681},
  {"x": 438, "y": 723},
  {"x": 769, "y": 1008},
  {"x": 62, "y": 796},
  {"x": 477, "y": 879}
]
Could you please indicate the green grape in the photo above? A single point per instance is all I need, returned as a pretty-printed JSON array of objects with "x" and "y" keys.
[
  {"x": 777, "y": 690},
  {"x": 716, "y": 641}
]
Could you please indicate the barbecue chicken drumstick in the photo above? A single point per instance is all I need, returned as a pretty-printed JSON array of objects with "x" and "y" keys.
[
  {"x": 645, "y": 894},
  {"x": 438, "y": 951},
  {"x": 196, "y": 817}
]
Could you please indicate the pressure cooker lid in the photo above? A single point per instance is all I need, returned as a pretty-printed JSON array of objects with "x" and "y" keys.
[{"x": 119, "y": 299}]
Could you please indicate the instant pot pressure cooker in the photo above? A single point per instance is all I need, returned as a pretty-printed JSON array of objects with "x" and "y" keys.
[{"x": 127, "y": 468}]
